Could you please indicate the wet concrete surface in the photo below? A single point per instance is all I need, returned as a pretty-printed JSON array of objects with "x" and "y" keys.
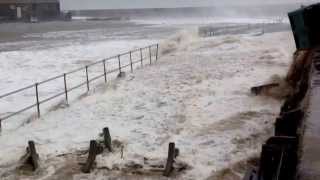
[{"x": 310, "y": 160}]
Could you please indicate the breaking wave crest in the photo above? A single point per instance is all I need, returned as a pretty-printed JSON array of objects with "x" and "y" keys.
[{"x": 178, "y": 41}]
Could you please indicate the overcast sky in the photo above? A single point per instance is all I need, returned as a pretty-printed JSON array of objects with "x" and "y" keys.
[{"x": 119, "y": 4}]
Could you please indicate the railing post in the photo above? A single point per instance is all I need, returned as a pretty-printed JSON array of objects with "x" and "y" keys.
[
  {"x": 37, "y": 99},
  {"x": 104, "y": 71},
  {"x": 141, "y": 57},
  {"x": 150, "y": 55},
  {"x": 157, "y": 52},
  {"x": 87, "y": 74},
  {"x": 65, "y": 87},
  {"x": 131, "y": 62},
  {"x": 119, "y": 64}
]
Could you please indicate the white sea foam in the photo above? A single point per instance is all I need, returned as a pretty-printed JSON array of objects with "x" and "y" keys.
[
  {"x": 211, "y": 20},
  {"x": 178, "y": 41},
  {"x": 196, "y": 96}
]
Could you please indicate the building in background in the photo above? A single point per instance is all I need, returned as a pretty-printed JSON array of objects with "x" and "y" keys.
[{"x": 29, "y": 10}]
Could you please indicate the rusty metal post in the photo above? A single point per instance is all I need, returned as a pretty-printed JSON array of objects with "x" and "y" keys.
[
  {"x": 131, "y": 62},
  {"x": 104, "y": 71},
  {"x": 141, "y": 57},
  {"x": 37, "y": 99},
  {"x": 150, "y": 55},
  {"x": 157, "y": 52},
  {"x": 65, "y": 86},
  {"x": 119, "y": 64},
  {"x": 87, "y": 75}
]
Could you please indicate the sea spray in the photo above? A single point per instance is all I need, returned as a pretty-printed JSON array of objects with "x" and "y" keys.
[{"x": 178, "y": 41}]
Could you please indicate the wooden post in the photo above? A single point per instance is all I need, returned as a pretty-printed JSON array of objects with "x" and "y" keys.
[
  {"x": 37, "y": 99},
  {"x": 157, "y": 52},
  {"x": 176, "y": 152},
  {"x": 91, "y": 157},
  {"x": 34, "y": 157},
  {"x": 131, "y": 62},
  {"x": 107, "y": 139},
  {"x": 65, "y": 86},
  {"x": 150, "y": 55},
  {"x": 104, "y": 71},
  {"x": 170, "y": 160},
  {"x": 119, "y": 64},
  {"x": 87, "y": 75},
  {"x": 141, "y": 57}
]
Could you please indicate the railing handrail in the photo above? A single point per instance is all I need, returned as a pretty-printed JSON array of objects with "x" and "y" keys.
[
  {"x": 16, "y": 91},
  {"x": 71, "y": 72},
  {"x": 40, "y": 101}
]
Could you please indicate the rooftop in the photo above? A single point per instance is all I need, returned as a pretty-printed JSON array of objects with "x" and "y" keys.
[{"x": 28, "y": 1}]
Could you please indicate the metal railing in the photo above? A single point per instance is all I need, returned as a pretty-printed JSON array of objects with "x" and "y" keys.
[
  {"x": 255, "y": 29},
  {"x": 152, "y": 55},
  {"x": 209, "y": 31}
]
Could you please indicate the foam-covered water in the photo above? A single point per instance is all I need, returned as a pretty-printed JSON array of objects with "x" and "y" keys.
[
  {"x": 35, "y": 52},
  {"x": 196, "y": 96}
]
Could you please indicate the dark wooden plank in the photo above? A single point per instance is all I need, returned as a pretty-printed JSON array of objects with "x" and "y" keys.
[{"x": 257, "y": 90}]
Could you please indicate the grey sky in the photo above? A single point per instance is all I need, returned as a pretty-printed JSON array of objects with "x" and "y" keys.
[{"x": 119, "y": 4}]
